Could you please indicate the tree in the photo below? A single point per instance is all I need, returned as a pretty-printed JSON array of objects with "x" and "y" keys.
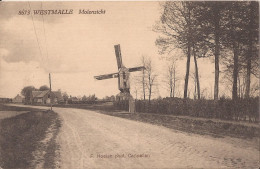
[
  {"x": 235, "y": 37},
  {"x": 240, "y": 35},
  {"x": 241, "y": 83},
  {"x": 112, "y": 98},
  {"x": 65, "y": 96},
  {"x": 177, "y": 26},
  {"x": 253, "y": 39},
  {"x": 140, "y": 81},
  {"x": 79, "y": 97},
  {"x": 147, "y": 78},
  {"x": 143, "y": 61},
  {"x": 216, "y": 26},
  {"x": 44, "y": 87},
  {"x": 84, "y": 98},
  {"x": 195, "y": 85},
  {"x": 171, "y": 76},
  {"x": 208, "y": 19},
  {"x": 27, "y": 93},
  {"x": 255, "y": 90},
  {"x": 92, "y": 97},
  {"x": 203, "y": 29},
  {"x": 197, "y": 82},
  {"x": 151, "y": 77},
  {"x": 235, "y": 46}
]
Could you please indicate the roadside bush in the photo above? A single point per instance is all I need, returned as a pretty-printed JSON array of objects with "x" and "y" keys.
[
  {"x": 122, "y": 105},
  {"x": 241, "y": 109}
]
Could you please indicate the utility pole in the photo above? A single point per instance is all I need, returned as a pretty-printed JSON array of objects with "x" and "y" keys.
[{"x": 50, "y": 89}]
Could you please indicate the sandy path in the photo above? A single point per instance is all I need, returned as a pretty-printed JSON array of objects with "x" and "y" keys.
[
  {"x": 92, "y": 140},
  {"x": 85, "y": 135}
]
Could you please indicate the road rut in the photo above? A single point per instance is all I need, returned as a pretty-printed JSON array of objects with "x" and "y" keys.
[{"x": 92, "y": 140}]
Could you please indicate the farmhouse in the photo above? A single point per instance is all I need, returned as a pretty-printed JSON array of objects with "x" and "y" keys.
[
  {"x": 73, "y": 100},
  {"x": 18, "y": 99},
  {"x": 46, "y": 97}
]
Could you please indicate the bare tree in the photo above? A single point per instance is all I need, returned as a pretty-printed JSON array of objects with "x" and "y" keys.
[
  {"x": 143, "y": 81},
  {"x": 255, "y": 89},
  {"x": 197, "y": 82},
  {"x": 151, "y": 77},
  {"x": 171, "y": 76},
  {"x": 176, "y": 26},
  {"x": 242, "y": 83},
  {"x": 193, "y": 76}
]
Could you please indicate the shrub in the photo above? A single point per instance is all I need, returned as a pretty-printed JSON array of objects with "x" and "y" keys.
[{"x": 241, "y": 109}]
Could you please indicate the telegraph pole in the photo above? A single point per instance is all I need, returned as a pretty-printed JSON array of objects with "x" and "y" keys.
[{"x": 50, "y": 89}]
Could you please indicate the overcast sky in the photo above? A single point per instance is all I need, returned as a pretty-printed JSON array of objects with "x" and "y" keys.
[{"x": 74, "y": 48}]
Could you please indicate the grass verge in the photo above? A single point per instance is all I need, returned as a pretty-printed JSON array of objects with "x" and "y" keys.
[
  {"x": 6, "y": 107},
  {"x": 203, "y": 126},
  {"x": 21, "y": 135},
  {"x": 211, "y": 127}
]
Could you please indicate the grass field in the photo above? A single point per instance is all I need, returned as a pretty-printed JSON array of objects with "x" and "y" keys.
[
  {"x": 10, "y": 111},
  {"x": 5, "y": 107},
  {"x": 21, "y": 136}
]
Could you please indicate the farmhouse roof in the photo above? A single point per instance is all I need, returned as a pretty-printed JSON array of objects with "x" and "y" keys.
[
  {"x": 40, "y": 94},
  {"x": 73, "y": 98},
  {"x": 43, "y": 93},
  {"x": 18, "y": 96},
  {"x": 36, "y": 93},
  {"x": 57, "y": 94}
]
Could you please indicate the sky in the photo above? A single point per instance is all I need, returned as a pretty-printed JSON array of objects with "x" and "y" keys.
[{"x": 76, "y": 47}]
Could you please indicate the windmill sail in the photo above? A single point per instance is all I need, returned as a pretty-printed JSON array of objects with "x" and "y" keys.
[
  {"x": 122, "y": 74},
  {"x": 134, "y": 69},
  {"x": 118, "y": 56},
  {"x": 106, "y": 76}
]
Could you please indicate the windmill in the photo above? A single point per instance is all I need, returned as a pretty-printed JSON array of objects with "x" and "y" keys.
[{"x": 123, "y": 75}]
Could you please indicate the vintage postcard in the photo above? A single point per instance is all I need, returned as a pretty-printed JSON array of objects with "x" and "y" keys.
[{"x": 127, "y": 84}]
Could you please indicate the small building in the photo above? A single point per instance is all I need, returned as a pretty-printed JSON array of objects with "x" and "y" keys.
[
  {"x": 73, "y": 100},
  {"x": 46, "y": 97},
  {"x": 18, "y": 99}
]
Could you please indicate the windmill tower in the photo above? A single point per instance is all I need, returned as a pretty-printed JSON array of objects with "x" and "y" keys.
[{"x": 123, "y": 76}]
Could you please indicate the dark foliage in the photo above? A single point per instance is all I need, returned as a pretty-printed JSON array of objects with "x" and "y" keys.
[
  {"x": 227, "y": 109},
  {"x": 44, "y": 87}
]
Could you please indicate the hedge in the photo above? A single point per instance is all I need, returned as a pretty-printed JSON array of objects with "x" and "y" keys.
[{"x": 241, "y": 109}]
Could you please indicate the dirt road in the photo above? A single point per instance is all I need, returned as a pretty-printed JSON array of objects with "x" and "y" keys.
[{"x": 92, "y": 140}]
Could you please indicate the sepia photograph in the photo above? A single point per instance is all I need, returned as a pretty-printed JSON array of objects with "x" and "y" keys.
[{"x": 129, "y": 84}]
